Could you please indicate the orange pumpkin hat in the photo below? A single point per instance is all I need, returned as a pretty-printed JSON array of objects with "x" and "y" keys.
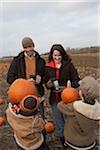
[
  {"x": 19, "y": 89},
  {"x": 29, "y": 103}
]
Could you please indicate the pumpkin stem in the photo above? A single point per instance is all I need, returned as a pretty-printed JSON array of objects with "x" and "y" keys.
[{"x": 68, "y": 84}]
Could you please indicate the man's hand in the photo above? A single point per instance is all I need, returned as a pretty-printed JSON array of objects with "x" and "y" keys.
[{"x": 38, "y": 79}]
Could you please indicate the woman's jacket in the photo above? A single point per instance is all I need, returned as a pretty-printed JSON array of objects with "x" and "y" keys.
[{"x": 66, "y": 72}]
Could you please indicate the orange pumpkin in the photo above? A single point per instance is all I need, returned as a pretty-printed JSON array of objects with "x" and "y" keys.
[
  {"x": 1, "y": 101},
  {"x": 49, "y": 127},
  {"x": 21, "y": 88},
  {"x": 69, "y": 95},
  {"x": 2, "y": 121}
]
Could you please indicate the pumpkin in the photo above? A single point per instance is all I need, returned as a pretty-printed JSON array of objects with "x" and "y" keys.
[
  {"x": 1, "y": 101},
  {"x": 69, "y": 95},
  {"x": 2, "y": 121},
  {"x": 49, "y": 127},
  {"x": 21, "y": 88}
]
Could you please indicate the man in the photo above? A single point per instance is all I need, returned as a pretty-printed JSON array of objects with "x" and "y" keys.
[{"x": 28, "y": 64}]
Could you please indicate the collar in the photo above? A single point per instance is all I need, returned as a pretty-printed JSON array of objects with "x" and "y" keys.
[
  {"x": 10, "y": 107},
  {"x": 51, "y": 64},
  {"x": 25, "y": 54},
  {"x": 90, "y": 111}
]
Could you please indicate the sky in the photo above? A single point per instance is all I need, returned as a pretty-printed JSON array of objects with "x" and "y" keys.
[{"x": 72, "y": 23}]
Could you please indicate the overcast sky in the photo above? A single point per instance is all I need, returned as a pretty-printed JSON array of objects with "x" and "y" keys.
[{"x": 71, "y": 23}]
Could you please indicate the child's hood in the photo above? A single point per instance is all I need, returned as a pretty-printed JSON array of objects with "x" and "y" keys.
[
  {"x": 21, "y": 123},
  {"x": 89, "y": 111},
  {"x": 89, "y": 87}
]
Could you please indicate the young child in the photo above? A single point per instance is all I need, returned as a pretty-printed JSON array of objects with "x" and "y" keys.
[
  {"x": 27, "y": 124},
  {"x": 81, "y": 116}
]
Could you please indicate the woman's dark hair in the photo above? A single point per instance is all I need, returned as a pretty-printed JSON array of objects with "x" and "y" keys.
[{"x": 60, "y": 48}]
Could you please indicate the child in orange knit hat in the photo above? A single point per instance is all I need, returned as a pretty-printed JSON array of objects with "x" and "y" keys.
[{"x": 27, "y": 124}]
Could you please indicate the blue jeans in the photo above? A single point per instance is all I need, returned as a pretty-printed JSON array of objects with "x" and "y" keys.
[
  {"x": 59, "y": 120},
  {"x": 41, "y": 107}
]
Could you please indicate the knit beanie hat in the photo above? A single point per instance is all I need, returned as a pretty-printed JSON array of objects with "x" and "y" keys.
[
  {"x": 29, "y": 103},
  {"x": 90, "y": 88},
  {"x": 27, "y": 41}
]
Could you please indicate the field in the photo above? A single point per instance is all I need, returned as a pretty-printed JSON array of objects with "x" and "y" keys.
[{"x": 86, "y": 64}]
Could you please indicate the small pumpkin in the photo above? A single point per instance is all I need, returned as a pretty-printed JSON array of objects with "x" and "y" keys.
[
  {"x": 2, "y": 121},
  {"x": 69, "y": 95},
  {"x": 49, "y": 127},
  {"x": 21, "y": 88},
  {"x": 1, "y": 101}
]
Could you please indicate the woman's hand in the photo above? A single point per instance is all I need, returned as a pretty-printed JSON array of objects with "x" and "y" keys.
[{"x": 50, "y": 83}]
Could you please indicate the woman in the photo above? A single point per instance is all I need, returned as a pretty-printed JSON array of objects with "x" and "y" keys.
[{"x": 61, "y": 69}]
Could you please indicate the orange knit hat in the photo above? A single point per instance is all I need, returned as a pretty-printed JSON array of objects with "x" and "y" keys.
[{"x": 29, "y": 103}]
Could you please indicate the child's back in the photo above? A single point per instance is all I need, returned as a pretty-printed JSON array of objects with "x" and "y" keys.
[
  {"x": 27, "y": 128},
  {"x": 81, "y": 116}
]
